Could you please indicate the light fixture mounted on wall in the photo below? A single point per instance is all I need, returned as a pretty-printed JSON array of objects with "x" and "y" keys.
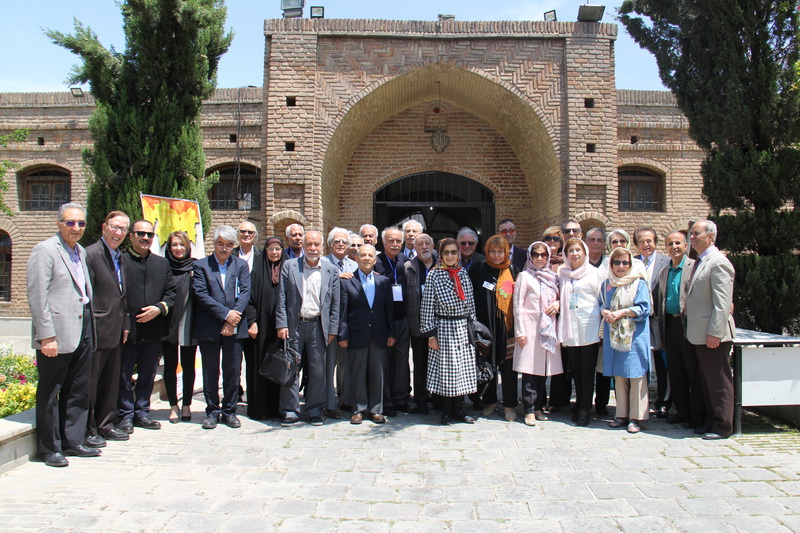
[
  {"x": 77, "y": 92},
  {"x": 292, "y": 9},
  {"x": 590, "y": 13},
  {"x": 317, "y": 12},
  {"x": 439, "y": 139},
  {"x": 550, "y": 16}
]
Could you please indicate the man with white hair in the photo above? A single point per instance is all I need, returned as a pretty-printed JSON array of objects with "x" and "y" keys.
[
  {"x": 369, "y": 233},
  {"x": 339, "y": 245},
  {"x": 294, "y": 241},
  {"x": 411, "y": 228},
  {"x": 468, "y": 241}
]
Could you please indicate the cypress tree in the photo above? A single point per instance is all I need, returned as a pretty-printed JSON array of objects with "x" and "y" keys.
[
  {"x": 731, "y": 66},
  {"x": 146, "y": 127}
]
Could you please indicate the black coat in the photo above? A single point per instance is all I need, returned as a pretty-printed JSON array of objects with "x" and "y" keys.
[
  {"x": 396, "y": 275},
  {"x": 486, "y": 306},
  {"x": 109, "y": 303},
  {"x": 148, "y": 282}
]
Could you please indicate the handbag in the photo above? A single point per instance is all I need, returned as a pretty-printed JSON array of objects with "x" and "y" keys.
[
  {"x": 484, "y": 369},
  {"x": 281, "y": 363},
  {"x": 480, "y": 337}
]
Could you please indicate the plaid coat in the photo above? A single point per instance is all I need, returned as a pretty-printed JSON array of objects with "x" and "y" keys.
[{"x": 451, "y": 368}]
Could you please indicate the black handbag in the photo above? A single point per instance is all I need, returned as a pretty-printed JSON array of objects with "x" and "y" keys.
[
  {"x": 480, "y": 337},
  {"x": 281, "y": 363}
]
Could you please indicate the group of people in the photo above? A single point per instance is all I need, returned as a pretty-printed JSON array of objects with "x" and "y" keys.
[{"x": 558, "y": 312}]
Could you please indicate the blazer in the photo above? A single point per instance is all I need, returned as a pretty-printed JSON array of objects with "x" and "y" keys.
[
  {"x": 54, "y": 296},
  {"x": 519, "y": 257},
  {"x": 348, "y": 264},
  {"x": 661, "y": 261},
  {"x": 661, "y": 301},
  {"x": 709, "y": 298},
  {"x": 149, "y": 282},
  {"x": 110, "y": 304},
  {"x": 360, "y": 325},
  {"x": 413, "y": 295},
  {"x": 290, "y": 297},
  {"x": 214, "y": 301}
]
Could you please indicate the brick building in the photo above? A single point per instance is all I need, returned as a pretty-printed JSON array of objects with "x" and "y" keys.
[{"x": 453, "y": 123}]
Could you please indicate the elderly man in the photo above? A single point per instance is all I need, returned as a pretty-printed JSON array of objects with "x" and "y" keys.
[
  {"x": 646, "y": 241},
  {"x": 467, "y": 241},
  {"x": 518, "y": 256},
  {"x": 596, "y": 243},
  {"x": 366, "y": 329},
  {"x": 391, "y": 263},
  {"x": 252, "y": 255},
  {"x": 59, "y": 296},
  {"x": 151, "y": 295},
  {"x": 307, "y": 313},
  {"x": 355, "y": 243},
  {"x": 107, "y": 274},
  {"x": 339, "y": 245},
  {"x": 411, "y": 228},
  {"x": 684, "y": 373},
  {"x": 221, "y": 284},
  {"x": 416, "y": 274},
  {"x": 369, "y": 233},
  {"x": 571, "y": 229},
  {"x": 710, "y": 327},
  {"x": 294, "y": 241}
]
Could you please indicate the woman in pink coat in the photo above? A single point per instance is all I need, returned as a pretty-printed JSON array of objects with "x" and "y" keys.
[{"x": 537, "y": 353}]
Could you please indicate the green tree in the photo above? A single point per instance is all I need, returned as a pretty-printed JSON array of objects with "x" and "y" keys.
[
  {"x": 146, "y": 127},
  {"x": 6, "y": 165},
  {"x": 731, "y": 66}
]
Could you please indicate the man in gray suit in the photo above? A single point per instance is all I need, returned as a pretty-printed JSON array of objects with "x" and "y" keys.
[
  {"x": 710, "y": 327},
  {"x": 307, "y": 313},
  {"x": 646, "y": 241},
  {"x": 60, "y": 295}
]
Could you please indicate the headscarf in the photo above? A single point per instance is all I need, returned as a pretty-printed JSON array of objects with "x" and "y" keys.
[
  {"x": 621, "y": 232},
  {"x": 548, "y": 293},
  {"x": 274, "y": 266},
  {"x": 566, "y": 275},
  {"x": 504, "y": 288},
  {"x": 621, "y": 331},
  {"x": 452, "y": 271}
]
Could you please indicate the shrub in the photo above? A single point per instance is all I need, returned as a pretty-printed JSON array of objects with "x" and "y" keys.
[{"x": 18, "y": 379}]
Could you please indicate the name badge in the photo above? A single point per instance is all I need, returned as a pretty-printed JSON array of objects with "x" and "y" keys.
[
  {"x": 488, "y": 286},
  {"x": 397, "y": 293},
  {"x": 573, "y": 301}
]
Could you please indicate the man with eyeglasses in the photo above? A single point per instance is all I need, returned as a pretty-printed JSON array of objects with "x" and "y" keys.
[
  {"x": 221, "y": 284},
  {"x": 355, "y": 243},
  {"x": 467, "y": 241},
  {"x": 60, "y": 299},
  {"x": 252, "y": 255},
  {"x": 150, "y": 290},
  {"x": 519, "y": 256},
  {"x": 107, "y": 273},
  {"x": 710, "y": 328},
  {"x": 572, "y": 229}
]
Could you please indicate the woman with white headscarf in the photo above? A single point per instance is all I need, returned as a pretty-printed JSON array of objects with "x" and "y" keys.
[
  {"x": 537, "y": 353},
  {"x": 625, "y": 308}
]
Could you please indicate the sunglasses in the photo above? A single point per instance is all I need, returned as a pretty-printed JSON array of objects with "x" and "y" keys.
[
  {"x": 354, "y": 245},
  {"x": 72, "y": 223},
  {"x": 572, "y": 230},
  {"x": 340, "y": 241},
  {"x": 619, "y": 242},
  {"x": 539, "y": 255},
  {"x": 554, "y": 238},
  {"x": 450, "y": 252},
  {"x": 467, "y": 243},
  {"x": 247, "y": 232},
  {"x": 617, "y": 263},
  {"x": 144, "y": 234},
  {"x": 507, "y": 231}
]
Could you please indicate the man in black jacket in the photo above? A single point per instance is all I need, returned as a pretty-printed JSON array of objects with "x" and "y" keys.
[{"x": 151, "y": 293}]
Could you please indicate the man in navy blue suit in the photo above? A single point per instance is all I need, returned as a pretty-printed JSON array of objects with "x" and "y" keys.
[
  {"x": 222, "y": 290},
  {"x": 366, "y": 330}
]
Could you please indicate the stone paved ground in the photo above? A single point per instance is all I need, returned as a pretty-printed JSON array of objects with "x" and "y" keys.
[{"x": 413, "y": 475}]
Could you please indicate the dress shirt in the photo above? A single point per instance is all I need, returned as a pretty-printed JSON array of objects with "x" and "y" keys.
[
  {"x": 410, "y": 253},
  {"x": 368, "y": 282},
  {"x": 75, "y": 255},
  {"x": 115, "y": 256},
  {"x": 672, "y": 304},
  {"x": 312, "y": 285},
  {"x": 223, "y": 268},
  {"x": 247, "y": 257}
]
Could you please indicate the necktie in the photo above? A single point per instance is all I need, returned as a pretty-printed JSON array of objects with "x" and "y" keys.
[
  {"x": 341, "y": 265},
  {"x": 646, "y": 262}
]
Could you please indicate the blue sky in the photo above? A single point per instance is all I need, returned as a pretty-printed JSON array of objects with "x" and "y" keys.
[{"x": 32, "y": 63}]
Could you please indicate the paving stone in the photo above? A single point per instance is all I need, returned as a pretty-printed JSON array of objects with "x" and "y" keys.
[
  {"x": 614, "y": 491},
  {"x": 452, "y": 511},
  {"x": 590, "y": 525},
  {"x": 651, "y": 524},
  {"x": 756, "y": 524},
  {"x": 707, "y": 524},
  {"x": 363, "y": 526},
  {"x": 754, "y": 488}
]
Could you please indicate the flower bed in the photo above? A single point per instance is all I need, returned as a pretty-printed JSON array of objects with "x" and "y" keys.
[{"x": 18, "y": 379}]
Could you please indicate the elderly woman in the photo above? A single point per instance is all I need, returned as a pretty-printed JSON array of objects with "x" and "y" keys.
[
  {"x": 493, "y": 280},
  {"x": 179, "y": 343},
  {"x": 447, "y": 303},
  {"x": 537, "y": 353},
  {"x": 553, "y": 237},
  {"x": 579, "y": 323},
  {"x": 625, "y": 302}
]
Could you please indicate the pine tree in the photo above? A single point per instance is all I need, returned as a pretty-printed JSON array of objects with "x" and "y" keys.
[
  {"x": 731, "y": 66},
  {"x": 146, "y": 127}
]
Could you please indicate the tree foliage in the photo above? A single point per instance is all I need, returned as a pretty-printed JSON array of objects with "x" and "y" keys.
[
  {"x": 6, "y": 165},
  {"x": 146, "y": 129},
  {"x": 731, "y": 65}
]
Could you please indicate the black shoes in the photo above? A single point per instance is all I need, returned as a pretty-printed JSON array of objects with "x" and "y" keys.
[
  {"x": 232, "y": 421},
  {"x": 677, "y": 418},
  {"x": 661, "y": 412},
  {"x": 447, "y": 420},
  {"x": 94, "y": 441},
  {"x": 114, "y": 434},
  {"x": 390, "y": 412},
  {"x": 465, "y": 419},
  {"x": 420, "y": 410},
  {"x": 315, "y": 420},
  {"x": 126, "y": 425},
  {"x": 601, "y": 410},
  {"x": 583, "y": 419},
  {"x": 289, "y": 421},
  {"x": 146, "y": 422},
  {"x": 82, "y": 451},
  {"x": 55, "y": 459},
  {"x": 209, "y": 422}
]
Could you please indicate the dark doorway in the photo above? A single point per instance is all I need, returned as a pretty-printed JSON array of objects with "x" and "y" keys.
[{"x": 442, "y": 202}]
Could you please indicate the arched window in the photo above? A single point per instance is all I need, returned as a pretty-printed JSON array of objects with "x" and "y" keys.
[
  {"x": 44, "y": 189},
  {"x": 640, "y": 190},
  {"x": 5, "y": 266},
  {"x": 233, "y": 193}
]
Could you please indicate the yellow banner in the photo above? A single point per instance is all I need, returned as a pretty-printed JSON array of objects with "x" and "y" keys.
[{"x": 174, "y": 214}]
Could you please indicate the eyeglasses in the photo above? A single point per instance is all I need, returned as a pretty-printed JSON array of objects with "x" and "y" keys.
[
  {"x": 617, "y": 263},
  {"x": 554, "y": 238},
  {"x": 511, "y": 231},
  {"x": 539, "y": 255},
  {"x": 572, "y": 230},
  {"x": 449, "y": 252},
  {"x": 117, "y": 229},
  {"x": 144, "y": 234},
  {"x": 247, "y": 232},
  {"x": 354, "y": 245},
  {"x": 72, "y": 223},
  {"x": 619, "y": 242},
  {"x": 467, "y": 243},
  {"x": 340, "y": 241}
]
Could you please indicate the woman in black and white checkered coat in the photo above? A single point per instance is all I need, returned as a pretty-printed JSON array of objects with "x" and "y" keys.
[{"x": 447, "y": 301}]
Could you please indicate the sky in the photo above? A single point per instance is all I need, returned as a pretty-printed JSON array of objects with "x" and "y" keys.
[{"x": 31, "y": 63}]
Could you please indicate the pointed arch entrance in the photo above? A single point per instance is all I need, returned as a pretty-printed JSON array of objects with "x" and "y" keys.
[{"x": 441, "y": 201}]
